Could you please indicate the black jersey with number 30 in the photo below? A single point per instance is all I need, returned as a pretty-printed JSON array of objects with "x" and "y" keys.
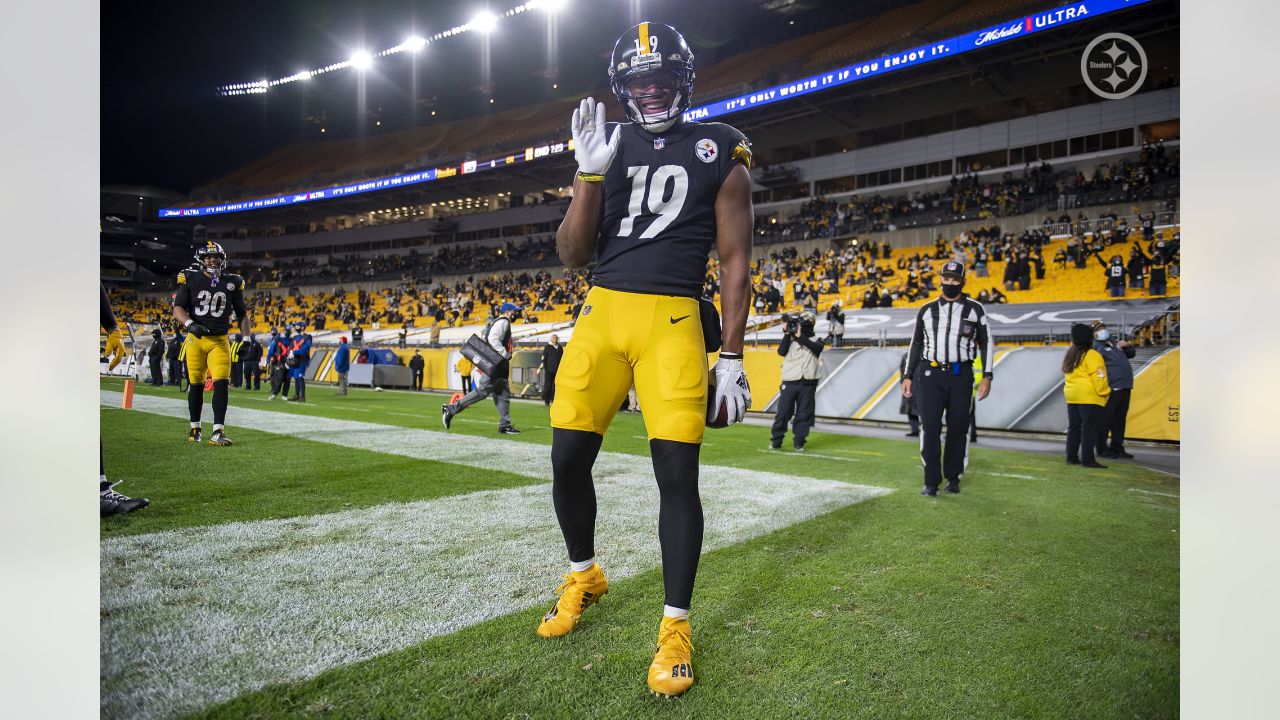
[
  {"x": 659, "y": 215},
  {"x": 208, "y": 303}
]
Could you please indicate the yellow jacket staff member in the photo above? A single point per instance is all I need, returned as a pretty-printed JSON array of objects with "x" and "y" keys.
[
  {"x": 1086, "y": 388},
  {"x": 464, "y": 368}
]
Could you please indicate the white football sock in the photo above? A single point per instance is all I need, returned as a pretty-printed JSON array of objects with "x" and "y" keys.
[
  {"x": 195, "y": 424},
  {"x": 582, "y": 566},
  {"x": 217, "y": 427},
  {"x": 675, "y": 612}
]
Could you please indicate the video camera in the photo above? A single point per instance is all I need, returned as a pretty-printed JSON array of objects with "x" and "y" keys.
[{"x": 802, "y": 322}]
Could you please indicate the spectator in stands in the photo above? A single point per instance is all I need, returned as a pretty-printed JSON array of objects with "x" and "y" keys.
[
  {"x": 417, "y": 365},
  {"x": 1137, "y": 267},
  {"x": 871, "y": 298},
  {"x": 155, "y": 354},
  {"x": 173, "y": 354},
  {"x": 253, "y": 365},
  {"x": 1157, "y": 267},
  {"x": 1024, "y": 271},
  {"x": 980, "y": 258},
  {"x": 342, "y": 364},
  {"x": 1115, "y": 274},
  {"x": 550, "y": 365},
  {"x": 997, "y": 297},
  {"x": 1086, "y": 389},
  {"x": 1116, "y": 356}
]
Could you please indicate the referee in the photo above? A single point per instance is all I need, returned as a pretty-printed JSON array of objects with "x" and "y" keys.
[{"x": 950, "y": 333}]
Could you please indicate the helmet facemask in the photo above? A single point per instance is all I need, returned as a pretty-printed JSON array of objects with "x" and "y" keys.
[{"x": 653, "y": 99}]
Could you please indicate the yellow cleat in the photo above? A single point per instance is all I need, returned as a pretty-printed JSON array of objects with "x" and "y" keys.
[
  {"x": 194, "y": 435},
  {"x": 672, "y": 670},
  {"x": 579, "y": 591},
  {"x": 219, "y": 438}
]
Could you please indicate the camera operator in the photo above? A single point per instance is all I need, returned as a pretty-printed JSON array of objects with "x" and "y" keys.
[{"x": 799, "y": 351}]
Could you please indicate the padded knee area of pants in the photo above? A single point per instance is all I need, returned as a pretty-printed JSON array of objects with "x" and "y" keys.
[
  {"x": 681, "y": 426},
  {"x": 571, "y": 412}
]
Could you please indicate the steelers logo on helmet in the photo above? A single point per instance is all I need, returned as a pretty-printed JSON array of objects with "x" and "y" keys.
[{"x": 651, "y": 73}]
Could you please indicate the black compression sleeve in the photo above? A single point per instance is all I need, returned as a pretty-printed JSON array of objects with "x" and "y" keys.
[
  {"x": 220, "y": 401},
  {"x": 195, "y": 400}
]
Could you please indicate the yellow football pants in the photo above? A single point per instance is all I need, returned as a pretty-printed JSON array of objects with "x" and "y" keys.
[
  {"x": 211, "y": 354},
  {"x": 654, "y": 341}
]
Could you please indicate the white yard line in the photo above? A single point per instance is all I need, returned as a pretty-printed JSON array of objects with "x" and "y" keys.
[
  {"x": 1152, "y": 492},
  {"x": 806, "y": 453},
  {"x": 1013, "y": 475},
  {"x": 197, "y": 616}
]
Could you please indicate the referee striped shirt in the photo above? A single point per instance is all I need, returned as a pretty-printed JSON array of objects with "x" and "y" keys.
[{"x": 948, "y": 332}]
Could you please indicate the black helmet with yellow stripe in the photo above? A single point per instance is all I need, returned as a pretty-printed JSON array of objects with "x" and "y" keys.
[{"x": 651, "y": 73}]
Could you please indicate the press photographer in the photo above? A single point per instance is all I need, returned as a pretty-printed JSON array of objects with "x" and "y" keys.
[{"x": 800, "y": 371}]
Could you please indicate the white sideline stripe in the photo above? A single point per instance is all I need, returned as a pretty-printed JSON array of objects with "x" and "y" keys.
[
  {"x": 1152, "y": 492},
  {"x": 806, "y": 453},
  {"x": 197, "y": 616},
  {"x": 1014, "y": 475}
]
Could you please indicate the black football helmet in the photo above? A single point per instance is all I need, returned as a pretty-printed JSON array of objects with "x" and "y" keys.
[
  {"x": 212, "y": 251},
  {"x": 651, "y": 73}
]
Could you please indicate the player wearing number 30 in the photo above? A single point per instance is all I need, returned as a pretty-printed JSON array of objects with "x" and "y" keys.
[
  {"x": 204, "y": 303},
  {"x": 650, "y": 197}
]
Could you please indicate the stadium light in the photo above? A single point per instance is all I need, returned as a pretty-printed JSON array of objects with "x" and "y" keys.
[
  {"x": 483, "y": 22},
  {"x": 415, "y": 43},
  {"x": 361, "y": 60},
  {"x": 549, "y": 6}
]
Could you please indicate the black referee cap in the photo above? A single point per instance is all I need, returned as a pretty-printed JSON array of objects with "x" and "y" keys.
[{"x": 953, "y": 268}]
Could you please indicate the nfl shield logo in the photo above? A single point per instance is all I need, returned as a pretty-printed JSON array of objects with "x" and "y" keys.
[{"x": 659, "y": 143}]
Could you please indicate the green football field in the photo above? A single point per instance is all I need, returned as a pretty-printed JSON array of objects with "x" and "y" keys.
[{"x": 347, "y": 559}]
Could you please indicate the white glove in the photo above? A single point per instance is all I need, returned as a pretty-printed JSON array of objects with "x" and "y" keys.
[
  {"x": 731, "y": 386},
  {"x": 593, "y": 153}
]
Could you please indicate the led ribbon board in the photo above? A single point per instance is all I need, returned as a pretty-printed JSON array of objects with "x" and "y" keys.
[{"x": 994, "y": 35}]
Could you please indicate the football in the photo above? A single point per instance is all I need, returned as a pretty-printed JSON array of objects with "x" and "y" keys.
[{"x": 718, "y": 417}]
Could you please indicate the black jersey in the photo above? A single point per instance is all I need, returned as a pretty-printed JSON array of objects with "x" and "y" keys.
[
  {"x": 658, "y": 220},
  {"x": 208, "y": 304}
]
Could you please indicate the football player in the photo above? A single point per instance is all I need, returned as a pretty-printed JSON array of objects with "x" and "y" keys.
[
  {"x": 206, "y": 298},
  {"x": 651, "y": 197}
]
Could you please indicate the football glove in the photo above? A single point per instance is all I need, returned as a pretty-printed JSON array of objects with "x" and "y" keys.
[
  {"x": 196, "y": 329},
  {"x": 591, "y": 149},
  {"x": 731, "y": 389},
  {"x": 114, "y": 348}
]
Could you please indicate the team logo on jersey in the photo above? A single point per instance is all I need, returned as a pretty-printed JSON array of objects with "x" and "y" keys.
[
  {"x": 231, "y": 286},
  {"x": 706, "y": 150},
  {"x": 659, "y": 143}
]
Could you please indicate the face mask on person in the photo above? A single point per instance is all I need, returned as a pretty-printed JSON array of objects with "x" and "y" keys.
[
  {"x": 951, "y": 292},
  {"x": 1103, "y": 335}
]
